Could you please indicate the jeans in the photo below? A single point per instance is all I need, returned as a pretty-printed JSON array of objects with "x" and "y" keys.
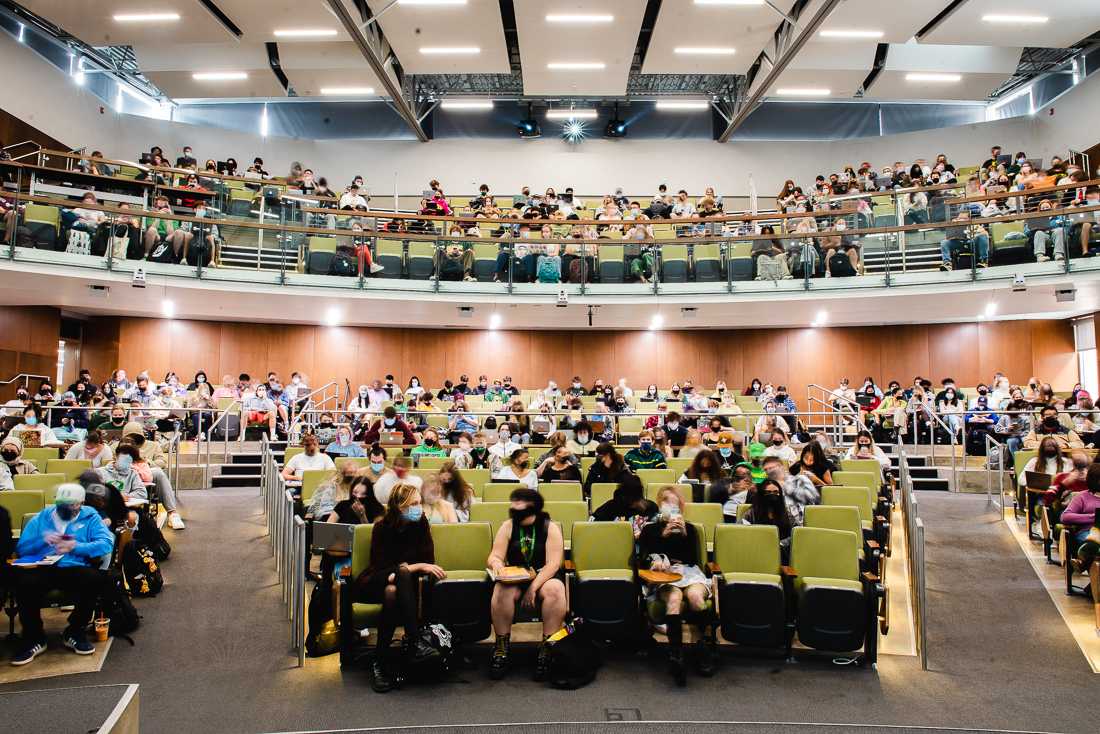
[
  {"x": 164, "y": 489},
  {"x": 1057, "y": 236},
  {"x": 32, "y": 584},
  {"x": 949, "y": 248},
  {"x": 916, "y": 216}
]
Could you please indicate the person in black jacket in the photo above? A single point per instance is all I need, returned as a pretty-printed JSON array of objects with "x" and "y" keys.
[
  {"x": 401, "y": 549},
  {"x": 628, "y": 503},
  {"x": 609, "y": 467}
]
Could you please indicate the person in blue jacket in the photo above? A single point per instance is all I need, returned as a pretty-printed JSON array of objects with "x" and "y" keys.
[{"x": 77, "y": 534}]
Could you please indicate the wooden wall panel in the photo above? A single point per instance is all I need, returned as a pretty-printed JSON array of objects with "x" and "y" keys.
[
  {"x": 794, "y": 357},
  {"x": 99, "y": 350}
]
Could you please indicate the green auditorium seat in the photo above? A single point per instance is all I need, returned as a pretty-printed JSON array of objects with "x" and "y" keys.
[
  {"x": 667, "y": 476},
  {"x": 875, "y": 524},
  {"x": 839, "y": 517},
  {"x": 355, "y": 616},
  {"x": 708, "y": 262},
  {"x": 485, "y": 260},
  {"x": 561, "y": 491},
  {"x": 71, "y": 468},
  {"x": 20, "y": 502},
  {"x": 47, "y": 484},
  {"x": 461, "y": 601},
  {"x": 740, "y": 261},
  {"x": 390, "y": 254},
  {"x": 603, "y": 584},
  {"x": 421, "y": 260},
  {"x": 706, "y": 514},
  {"x": 836, "y": 606},
  {"x": 752, "y": 586},
  {"x": 500, "y": 492},
  {"x": 494, "y": 513},
  {"x": 322, "y": 250},
  {"x": 311, "y": 480},
  {"x": 611, "y": 264},
  {"x": 434, "y": 463},
  {"x": 602, "y": 492},
  {"x": 567, "y": 514},
  {"x": 674, "y": 263},
  {"x": 43, "y": 222},
  {"x": 39, "y": 456}
]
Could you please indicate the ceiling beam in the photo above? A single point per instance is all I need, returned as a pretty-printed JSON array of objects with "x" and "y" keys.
[
  {"x": 781, "y": 60},
  {"x": 393, "y": 90}
]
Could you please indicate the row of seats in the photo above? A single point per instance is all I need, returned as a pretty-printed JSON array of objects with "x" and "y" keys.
[{"x": 823, "y": 596}]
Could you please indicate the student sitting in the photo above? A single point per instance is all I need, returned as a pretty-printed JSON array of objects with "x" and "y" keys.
[
  {"x": 430, "y": 445},
  {"x": 798, "y": 489},
  {"x": 398, "y": 474},
  {"x": 704, "y": 468},
  {"x": 389, "y": 423},
  {"x": 609, "y": 467},
  {"x": 560, "y": 465},
  {"x": 344, "y": 446},
  {"x": 1080, "y": 518},
  {"x": 331, "y": 492},
  {"x": 669, "y": 544},
  {"x": 12, "y": 462},
  {"x": 401, "y": 549},
  {"x": 310, "y": 458},
  {"x": 865, "y": 448},
  {"x": 527, "y": 539},
  {"x": 519, "y": 470},
  {"x": 770, "y": 508},
  {"x": 32, "y": 431},
  {"x": 779, "y": 447},
  {"x": 645, "y": 456},
  {"x": 456, "y": 490},
  {"x": 437, "y": 508}
]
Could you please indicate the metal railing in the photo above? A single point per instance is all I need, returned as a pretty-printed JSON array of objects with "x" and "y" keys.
[
  {"x": 993, "y": 447},
  {"x": 286, "y": 533},
  {"x": 322, "y": 399},
  {"x": 846, "y": 412},
  {"x": 914, "y": 542},
  {"x": 948, "y": 429},
  {"x": 222, "y": 420},
  {"x": 26, "y": 377}
]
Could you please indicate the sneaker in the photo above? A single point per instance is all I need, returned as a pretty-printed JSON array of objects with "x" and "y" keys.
[
  {"x": 542, "y": 664},
  {"x": 162, "y": 516},
  {"x": 983, "y": 263},
  {"x": 381, "y": 681},
  {"x": 946, "y": 266},
  {"x": 77, "y": 641},
  {"x": 175, "y": 521},
  {"x": 29, "y": 653},
  {"x": 1059, "y": 258},
  {"x": 499, "y": 661},
  {"x": 376, "y": 268},
  {"x": 1042, "y": 258}
]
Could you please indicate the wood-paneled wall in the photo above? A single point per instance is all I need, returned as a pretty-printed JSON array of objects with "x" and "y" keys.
[
  {"x": 28, "y": 343},
  {"x": 796, "y": 357}
]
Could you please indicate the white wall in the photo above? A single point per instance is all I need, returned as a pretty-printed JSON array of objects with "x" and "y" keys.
[
  {"x": 48, "y": 99},
  {"x": 1073, "y": 122}
]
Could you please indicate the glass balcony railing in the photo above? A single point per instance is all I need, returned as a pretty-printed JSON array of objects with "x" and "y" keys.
[{"x": 235, "y": 229}]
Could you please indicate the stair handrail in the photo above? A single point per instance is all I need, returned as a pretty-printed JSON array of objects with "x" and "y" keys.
[
  {"x": 947, "y": 429},
  {"x": 307, "y": 401},
  {"x": 991, "y": 444},
  {"x": 827, "y": 400},
  {"x": 210, "y": 434},
  {"x": 26, "y": 377}
]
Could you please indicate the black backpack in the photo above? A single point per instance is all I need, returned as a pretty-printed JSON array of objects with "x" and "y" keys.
[
  {"x": 142, "y": 573},
  {"x": 163, "y": 253},
  {"x": 439, "y": 638},
  {"x": 115, "y": 605},
  {"x": 574, "y": 659},
  {"x": 840, "y": 266},
  {"x": 148, "y": 535},
  {"x": 343, "y": 264}
]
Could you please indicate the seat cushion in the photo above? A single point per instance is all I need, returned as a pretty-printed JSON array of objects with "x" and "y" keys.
[
  {"x": 810, "y": 582},
  {"x": 739, "y": 577},
  {"x": 365, "y": 615},
  {"x": 621, "y": 574}
]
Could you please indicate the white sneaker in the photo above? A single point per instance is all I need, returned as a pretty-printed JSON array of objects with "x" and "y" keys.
[
  {"x": 1059, "y": 258},
  {"x": 376, "y": 268},
  {"x": 1041, "y": 258},
  {"x": 161, "y": 517},
  {"x": 175, "y": 521}
]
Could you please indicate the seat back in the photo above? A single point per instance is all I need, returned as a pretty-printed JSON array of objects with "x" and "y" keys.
[
  {"x": 561, "y": 491},
  {"x": 496, "y": 492},
  {"x": 19, "y": 502},
  {"x": 311, "y": 479},
  {"x": 463, "y": 546},
  {"x": 835, "y": 517},
  {"x": 602, "y": 492},
  {"x": 494, "y": 513},
  {"x": 865, "y": 466},
  {"x": 45, "y": 483},
  {"x": 567, "y": 514},
  {"x": 666, "y": 476},
  {"x": 825, "y": 553},
  {"x": 360, "y": 462},
  {"x": 434, "y": 463},
  {"x": 42, "y": 214},
  {"x": 870, "y": 480},
  {"x": 360, "y": 549},
  {"x": 71, "y": 468},
  {"x": 679, "y": 466},
  {"x": 707, "y": 515},
  {"x": 653, "y": 488},
  {"x": 631, "y": 425},
  {"x": 747, "y": 548},
  {"x": 602, "y": 545},
  {"x": 859, "y": 497},
  {"x": 38, "y": 454},
  {"x": 322, "y": 244},
  {"x": 291, "y": 452}
]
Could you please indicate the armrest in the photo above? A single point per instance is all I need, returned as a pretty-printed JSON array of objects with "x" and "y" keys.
[
  {"x": 869, "y": 577},
  {"x": 569, "y": 566},
  {"x": 788, "y": 572},
  {"x": 713, "y": 568}
]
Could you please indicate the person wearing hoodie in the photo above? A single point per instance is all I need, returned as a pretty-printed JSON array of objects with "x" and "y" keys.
[
  {"x": 12, "y": 462},
  {"x": 75, "y": 532}
]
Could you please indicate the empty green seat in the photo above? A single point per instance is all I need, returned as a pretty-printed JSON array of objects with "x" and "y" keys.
[
  {"x": 498, "y": 492},
  {"x": 71, "y": 468},
  {"x": 45, "y": 483},
  {"x": 707, "y": 514},
  {"x": 604, "y": 591},
  {"x": 461, "y": 601},
  {"x": 561, "y": 491},
  {"x": 494, "y": 513},
  {"x": 20, "y": 502},
  {"x": 751, "y": 590},
  {"x": 356, "y": 616},
  {"x": 567, "y": 514}
]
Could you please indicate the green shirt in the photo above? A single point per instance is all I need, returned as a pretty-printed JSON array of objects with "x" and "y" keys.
[
  {"x": 653, "y": 459},
  {"x": 425, "y": 450}
]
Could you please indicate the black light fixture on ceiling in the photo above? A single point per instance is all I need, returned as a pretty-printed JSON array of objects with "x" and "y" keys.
[
  {"x": 616, "y": 128},
  {"x": 529, "y": 128}
]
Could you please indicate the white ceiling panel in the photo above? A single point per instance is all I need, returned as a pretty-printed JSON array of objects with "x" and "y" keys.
[
  {"x": 410, "y": 28},
  {"x": 610, "y": 44},
  {"x": 898, "y": 20},
  {"x": 92, "y": 21},
  {"x": 181, "y": 85},
  {"x": 980, "y": 69},
  {"x": 259, "y": 19},
  {"x": 819, "y": 65},
  {"x": 683, "y": 24},
  {"x": 1068, "y": 21}
]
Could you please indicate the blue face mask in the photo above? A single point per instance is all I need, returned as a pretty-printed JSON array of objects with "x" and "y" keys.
[
  {"x": 377, "y": 467},
  {"x": 123, "y": 463},
  {"x": 30, "y": 420},
  {"x": 390, "y": 421},
  {"x": 725, "y": 451},
  {"x": 413, "y": 514}
]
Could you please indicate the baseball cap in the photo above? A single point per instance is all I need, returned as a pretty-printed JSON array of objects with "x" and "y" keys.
[
  {"x": 756, "y": 450},
  {"x": 69, "y": 494}
]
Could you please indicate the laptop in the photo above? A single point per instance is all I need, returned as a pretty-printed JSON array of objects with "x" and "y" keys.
[
  {"x": 1037, "y": 480},
  {"x": 333, "y": 536},
  {"x": 864, "y": 399},
  {"x": 391, "y": 438},
  {"x": 1004, "y": 159},
  {"x": 1036, "y": 163}
]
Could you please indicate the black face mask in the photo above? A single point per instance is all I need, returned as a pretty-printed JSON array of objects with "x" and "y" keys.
[
  {"x": 521, "y": 465},
  {"x": 1051, "y": 422},
  {"x": 521, "y": 515},
  {"x": 429, "y": 442},
  {"x": 326, "y": 424},
  {"x": 118, "y": 421},
  {"x": 67, "y": 512},
  {"x": 9, "y": 455}
]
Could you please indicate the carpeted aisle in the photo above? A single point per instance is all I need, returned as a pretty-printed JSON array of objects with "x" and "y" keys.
[{"x": 213, "y": 653}]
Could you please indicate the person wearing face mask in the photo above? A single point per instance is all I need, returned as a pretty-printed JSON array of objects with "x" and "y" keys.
[
  {"x": 576, "y": 388},
  {"x": 377, "y": 465},
  {"x": 401, "y": 551},
  {"x": 105, "y": 500},
  {"x": 75, "y": 532},
  {"x": 122, "y": 475},
  {"x": 770, "y": 508},
  {"x": 980, "y": 420},
  {"x": 1050, "y": 426},
  {"x": 333, "y": 490},
  {"x": 983, "y": 391},
  {"x": 92, "y": 449},
  {"x": 609, "y": 467},
  {"x": 456, "y": 490},
  {"x": 414, "y": 388},
  {"x": 201, "y": 412},
  {"x": 669, "y": 544},
  {"x": 344, "y": 445},
  {"x": 32, "y": 431},
  {"x": 519, "y": 470},
  {"x": 360, "y": 408},
  {"x": 675, "y": 429},
  {"x": 360, "y": 507},
  {"x": 200, "y": 379},
  {"x": 779, "y": 447},
  {"x": 504, "y": 445},
  {"x": 865, "y": 448},
  {"x": 325, "y": 430},
  {"x": 437, "y": 508},
  {"x": 11, "y": 454},
  {"x": 16, "y": 405},
  {"x": 798, "y": 489},
  {"x": 430, "y": 446},
  {"x": 731, "y": 493},
  {"x": 768, "y": 422},
  {"x": 646, "y": 455},
  {"x": 310, "y": 458},
  {"x": 389, "y": 422},
  {"x": 560, "y": 465},
  {"x": 705, "y": 468},
  {"x": 951, "y": 408},
  {"x": 891, "y": 413},
  {"x": 527, "y": 539},
  {"x": 398, "y": 473},
  {"x": 727, "y": 450}
]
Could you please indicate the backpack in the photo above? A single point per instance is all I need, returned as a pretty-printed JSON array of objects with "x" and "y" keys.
[
  {"x": 148, "y": 535},
  {"x": 115, "y": 604},
  {"x": 322, "y": 637},
  {"x": 547, "y": 271},
  {"x": 163, "y": 253},
  {"x": 772, "y": 268},
  {"x": 450, "y": 268},
  {"x": 578, "y": 273},
  {"x": 803, "y": 261},
  {"x": 141, "y": 571},
  {"x": 840, "y": 266},
  {"x": 439, "y": 638},
  {"x": 344, "y": 265},
  {"x": 574, "y": 657}
]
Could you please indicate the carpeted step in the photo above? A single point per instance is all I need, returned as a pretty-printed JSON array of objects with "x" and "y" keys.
[{"x": 937, "y": 485}]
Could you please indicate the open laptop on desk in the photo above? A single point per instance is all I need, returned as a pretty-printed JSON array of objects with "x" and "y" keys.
[
  {"x": 333, "y": 537},
  {"x": 391, "y": 438}
]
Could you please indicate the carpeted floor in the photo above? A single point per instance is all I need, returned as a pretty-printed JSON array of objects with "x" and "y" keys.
[{"x": 212, "y": 654}]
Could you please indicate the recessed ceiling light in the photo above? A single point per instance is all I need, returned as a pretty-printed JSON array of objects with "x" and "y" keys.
[
  {"x": 305, "y": 32},
  {"x": 1000, "y": 18},
  {"x": 219, "y": 76},
  {"x": 432, "y": 2},
  {"x": 145, "y": 17},
  {"x": 467, "y": 104},
  {"x": 571, "y": 115},
  {"x": 450, "y": 50},
  {"x": 850, "y": 34},
  {"x": 579, "y": 18},
  {"x": 705, "y": 50},
  {"x": 931, "y": 77},
  {"x": 803, "y": 92},
  {"x": 576, "y": 65},
  {"x": 347, "y": 91},
  {"x": 682, "y": 104},
  {"x": 729, "y": 2}
]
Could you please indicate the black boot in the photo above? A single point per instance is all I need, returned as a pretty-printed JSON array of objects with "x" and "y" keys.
[
  {"x": 542, "y": 663},
  {"x": 676, "y": 648},
  {"x": 704, "y": 657},
  {"x": 381, "y": 681},
  {"x": 499, "y": 661}
]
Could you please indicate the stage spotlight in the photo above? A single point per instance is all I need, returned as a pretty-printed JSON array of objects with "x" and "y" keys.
[{"x": 615, "y": 129}]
